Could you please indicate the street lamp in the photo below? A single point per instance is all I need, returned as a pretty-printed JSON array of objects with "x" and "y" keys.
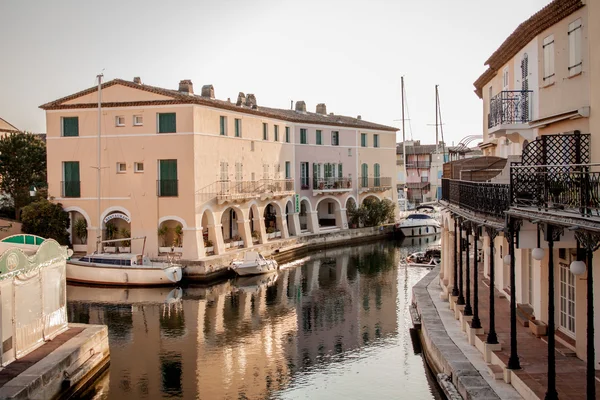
[
  {"x": 577, "y": 267},
  {"x": 538, "y": 254},
  {"x": 32, "y": 191},
  {"x": 506, "y": 259}
]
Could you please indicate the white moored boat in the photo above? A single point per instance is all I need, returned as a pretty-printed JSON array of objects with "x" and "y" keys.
[
  {"x": 419, "y": 224},
  {"x": 253, "y": 264}
]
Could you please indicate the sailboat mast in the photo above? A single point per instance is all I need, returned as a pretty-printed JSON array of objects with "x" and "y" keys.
[
  {"x": 404, "y": 145},
  {"x": 99, "y": 160},
  {"x": 437, "y": 141}
]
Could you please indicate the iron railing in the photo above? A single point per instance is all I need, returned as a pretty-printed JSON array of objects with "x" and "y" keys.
[
  {"x": 481, "y": 197},
  {"x": 304, "y": 183},
  {"x": 571, "y": 188},
  {"x": 277, "y": 186},
  {"x": 510, "y": 107},
  {"x": 375, "y": 183},
  {"x": 418, "y": 164},
  {"x": 167, "y": 188},
  {"x": 70, "y": 188},
  {"x": 332, "y": 183}
]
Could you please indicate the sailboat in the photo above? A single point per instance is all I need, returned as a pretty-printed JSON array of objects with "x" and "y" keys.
[{"x": 124, "y": 269}]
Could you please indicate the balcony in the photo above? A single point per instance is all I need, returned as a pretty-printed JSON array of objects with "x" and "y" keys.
[
  {"x": 418, "y": 164},
  {"x": 70, "y": 188},
  {"x": 331, "y": 185},
  {"x": 376, "y": 184},
  {"x": 511, "y": 110},
  {"x": 491, "y": 199},
  {"x": 234, "y": 191},
  {"x": 276, "y": 188},
  {"x": 167, "y": 188}
]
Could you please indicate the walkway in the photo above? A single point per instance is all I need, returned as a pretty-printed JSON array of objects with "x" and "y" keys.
[{"x": 532, "y": 351}]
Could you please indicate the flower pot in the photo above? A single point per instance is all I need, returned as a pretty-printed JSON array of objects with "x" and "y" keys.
[
  {"x": 110, "y": 249},
  {"x": 124, "y": 249},
  {"x": 271, "y": 235},
  {"x": 178, "y": 249},
  {"x": 538, "y": 328},
  {"x": 80, "y": 247},
  {"x": 227, "y": 245},
  {"x": 164, "y": 249},
  {"x": 277, "y": 234},
  {"x": 209, "y": 250}
]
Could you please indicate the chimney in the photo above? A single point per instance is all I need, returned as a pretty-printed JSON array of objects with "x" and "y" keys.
[
  {"x": 251, "y": 100},
  {"x": 322, "y": 109},
  {"x": 186, "y": 86},
  {"x": 137, "y": 80},
  {"x": 358, "y": 117},
  {"x": 208, "y": 91},
  {"x": 301, "y": 106},
  {"x": 241, "y": 99}
]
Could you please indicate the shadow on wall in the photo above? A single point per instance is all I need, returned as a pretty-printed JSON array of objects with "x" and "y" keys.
[{"x": 9, "y": 227}]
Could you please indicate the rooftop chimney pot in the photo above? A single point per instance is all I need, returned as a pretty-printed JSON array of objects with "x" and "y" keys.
[
  {"x": 359, "y": 117},
  {"x": 241, "y": 99},
  {"x": 321, "y": 109},
  {"x": 186, "y": 86},
  {"x": 251, "y": 100},
  {"x": 137, "y": 80},
  {"x": 208, "y": 91},
  {"x": 301, "y": 106}
]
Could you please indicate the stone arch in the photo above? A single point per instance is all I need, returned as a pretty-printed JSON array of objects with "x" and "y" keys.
[
  {"x": 273, "y": 218},
  {"x": 208, "y": 224},
  {"x": 305, "y": 215},
  {"x": 370, "y": 197},
  {"x": 76, "y": 213},
  {"x": 115, "y": 228},
  {"x": 329, "y": 212},
  {"x": 174, "y": 218},
  {"x": 170, "y": 237},
  {"x": 113, "y": 209},
  {"x": 231, "y": 217},
  {"x": 80, "y": 211},
  {"x": 254, "y": 218},
  {"x": 290, "y": 211}
]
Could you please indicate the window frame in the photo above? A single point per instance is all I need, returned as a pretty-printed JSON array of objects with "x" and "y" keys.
[
  {"x": 288, "y": 134},
  {"x": 222, "y": 125},
  {"x": 238, "y": 127},
  {"x": 276, "y": 133},
  {"x": 121, "y": 170},
  {"x": 364, "y": 140},
  {"x": 117, "y": 123},
  {"x": 336, "y": 135},
  {"x": 136, "y": 123},
  {"x": 62, "y": 126},
  {"x": 376, "y": 140},
  {"x": 319, "y": 137},
  {"x": 265, "y": 131},
  {"x": 303, "y": 136},
  {"x": 158, "y": 126},
  {"x": 136, "y": 167}
]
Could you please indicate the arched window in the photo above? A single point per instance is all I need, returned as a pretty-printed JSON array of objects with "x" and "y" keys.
[
  {"x": 365, "y": 175},
  {"x": 376, "y": 175}
]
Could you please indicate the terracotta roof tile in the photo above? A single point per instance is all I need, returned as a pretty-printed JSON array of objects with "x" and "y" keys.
[
  {"x": 181, "y": 98},
  {"x": 525, "y": 32}
]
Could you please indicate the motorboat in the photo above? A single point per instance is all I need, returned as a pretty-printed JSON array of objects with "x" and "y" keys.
[
  {"x": 122, "y": 269},
  {"x": 429, "y": 258},
  {"x": 253, "y": 263},
  {"x": 418, "y": 224}
]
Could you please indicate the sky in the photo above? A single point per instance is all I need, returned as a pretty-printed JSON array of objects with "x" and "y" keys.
[{"x": 348, "y": 54}]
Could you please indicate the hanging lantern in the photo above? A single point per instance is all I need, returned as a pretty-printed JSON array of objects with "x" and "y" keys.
[
  {"x": 506, "y": 259},
  {"x": 538, "y": 253},
  {"x": 577, "y": 267}
]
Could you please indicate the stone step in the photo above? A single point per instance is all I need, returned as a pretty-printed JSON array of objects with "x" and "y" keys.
[{"x": 495, "y": 371}]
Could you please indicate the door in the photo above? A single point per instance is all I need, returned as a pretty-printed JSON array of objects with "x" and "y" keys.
[
  {"x": 567, "y": 300},
  {"x": 525, "y": 89},
  {"x": 365, "y": 175},
  {"x": 167, "y": 177},
  {"x": 71, "y": 184},
  {"x": 377, "y": 178}
]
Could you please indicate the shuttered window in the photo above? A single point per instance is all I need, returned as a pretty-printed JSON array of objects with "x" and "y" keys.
[
  {"x": 223, "y": 125},
  {"x": 375, "y": 140},
  {"x": 363, "y": 140},
  {"x": 265, "y": 131},
  {"x": 335, "y": 138},
  {"x": 167, "y": 178},
  {"x": 548, "y": 46},
  {"x": 365, "y": 175},
  {"x": 238, "y": 171},
  {"x": 238, "y": 127},
  {"x": 303, "y": 139},
  {"x": 70, "y": 126},
  {"x": 319, "y": 137},
  {"x": 71, "y": 181},
  {"x": 575, "y": 60},
  {"x": 288, "y": 170},
  {"x": 340, "y": 173},
  {"x": 287, "y": 134},
  {"x": 304, "y": 175},
  {"x": 167, "y": 123},
  {"x": 276, "y": 133},
  {"x": 376, "y": 171}
]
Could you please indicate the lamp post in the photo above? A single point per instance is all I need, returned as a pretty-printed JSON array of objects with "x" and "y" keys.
[
  {"x": 455, "y": 284},
  {"x": 513, "y": 227},
  {"x": 468, "y": 310},
  {"x": 492, "y": 338},
  {"x": 476, "y": 322},
  {"x": 461, "y": 296}
]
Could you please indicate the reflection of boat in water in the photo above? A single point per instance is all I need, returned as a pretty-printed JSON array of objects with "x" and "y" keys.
[
  {"x": 428, "y": 258},
  {"x": 111, "y": 295},
  {"x": 253, "y": 264},
  {"x": 252, "y": 284}
]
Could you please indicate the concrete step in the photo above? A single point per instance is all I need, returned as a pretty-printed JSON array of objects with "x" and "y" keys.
[{"x": 495, "y": 371}]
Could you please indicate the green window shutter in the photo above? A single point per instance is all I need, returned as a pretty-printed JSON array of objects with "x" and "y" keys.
[
  {"x": 276, "y": 132},
  {"x": 340, "y": 173},
  {"x": 287, "y": 134},
  {"x": 315, "y": 176},
  {"x": 365, "y": 175},
  {"x": 375, "y": 140},
  {"x": 363, "y": 139},
  {"x": 222, "y": 120},
  {"x": 319, "y": 137},
  {"x": 376, "y": 175},
  {"x": 238, "y": 127},
  {"x": 303, "y": 136},
  {"x": 168, "y": 184},
  {"x": 167, "y": 123},
  {"x": 288, "y": 170},
  {"x": 70, "y": 126},
  {"x": 71, "y": 184}
]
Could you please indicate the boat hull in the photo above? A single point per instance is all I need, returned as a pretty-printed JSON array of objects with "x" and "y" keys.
[
  {"x": 246, "y": 270},
  {"x": 122, "y": 276},
  {"x": 420, "y": 230}
]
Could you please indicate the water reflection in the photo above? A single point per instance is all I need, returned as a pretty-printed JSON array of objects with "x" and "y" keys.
[{"x": 335, "y": 326}]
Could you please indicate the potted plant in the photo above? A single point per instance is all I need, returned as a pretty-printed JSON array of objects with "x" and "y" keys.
[
  {"x": 208, "y": 246},
  {"x": 227, "y": 243},
  {"x": 125, "y": 244},
  {"x": 277, "y": 233},
  {"x": 270, "y": 232},
  {"x": 538, "y": 328},
  {"x": 111, "y": 234},
  {"x": 237, "y": 241},
  {"x": 162, "y": 233},
  {"x": 178, "y": 239},
  {"x": 255, "y": 236},
  {"x": 80, "y": 231}
]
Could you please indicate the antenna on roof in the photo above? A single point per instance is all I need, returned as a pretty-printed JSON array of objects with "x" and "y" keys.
[{"x": 291, "y": 104}]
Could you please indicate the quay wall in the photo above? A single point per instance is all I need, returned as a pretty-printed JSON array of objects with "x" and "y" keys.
[
  {"x": 283, "y": 250},
  {"x": 441, "y": 353}
]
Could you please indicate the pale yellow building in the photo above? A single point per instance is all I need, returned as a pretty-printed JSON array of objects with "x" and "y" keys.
[{"x": 203, "y": 175}]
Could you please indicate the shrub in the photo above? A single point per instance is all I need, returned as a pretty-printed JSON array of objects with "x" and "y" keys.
[
  {"x": 372, "y": 212},
  {"x": 47, "y": 220},
  {"x": 162, "y": 234},
  {"x": 80, "y": 229}
]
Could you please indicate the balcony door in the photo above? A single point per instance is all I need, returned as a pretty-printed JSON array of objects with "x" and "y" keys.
[
  {"x": 167, "y": 175},
  {"x": 525, "y": 88},
  {"x": 71, "y": 186},
  {"x": 376, "y": 171},
  {"x": 365, "y": 175}
]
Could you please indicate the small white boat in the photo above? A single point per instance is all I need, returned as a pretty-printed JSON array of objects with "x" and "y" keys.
[
  {"x": 253, "y": 264},
  {"x": 418, "y": 224},
  {"x": 429, "y": 258}
]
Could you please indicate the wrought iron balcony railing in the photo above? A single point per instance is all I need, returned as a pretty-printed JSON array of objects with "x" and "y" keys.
[
  {"x": 332, "y": 183},
  {"x": 167, "y": 188},
  {"x": 70, "y": 188},
  {"x": 375, "y": 183},
  {"x": 418, "y": 164},
  {"x": 510, "y": 107},
  {"x": 573, "y": 189},
  {"x": 480, "y": 197},
  {"x": 277, "y": 186},
  {"x": 238, "y": 190}
]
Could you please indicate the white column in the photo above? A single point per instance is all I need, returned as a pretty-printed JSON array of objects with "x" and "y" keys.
[
  {"x": 215, "y": 235},
  {"x": 244, "y": 230},
  {"x": 193, "y": 244},
  {"x": 312, "y": 221},
  {"x": 341, "y": 219}
]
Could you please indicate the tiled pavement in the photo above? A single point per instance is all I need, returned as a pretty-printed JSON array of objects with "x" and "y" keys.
[{"x": 533, "y": 352}]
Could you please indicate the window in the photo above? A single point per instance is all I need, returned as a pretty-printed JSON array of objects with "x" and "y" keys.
[
  {"x": 120, "y": 120},
  {"x": 276, "y": 133},
  {"x": 548, "y": 54},
  {"x": 303, "y": 175},
  {"x": 288, "y": 170},
  {"x": 376, "y": 175},
  {"x": 567, "y": 299},
  {"x": 349, "y": 152},
  {"x": 223, "y": 125},
  {"x": 225, "y": 171},
  {"x": 71, "y": 184},
  {"x": 277, "y": 169},
  {"x": 138, "y": 167},
  {"x": 287, "y": 134},
  {"x": 239, "y": 175},
  {"x": 167, "y": 178},
  {"x": 265, "y": 131},
  {"x": 363, "y": 140},
  {"x": 138, "y": 120},
  {"x": 70, "y": 126},
  {"x": 575, "y": 60},
  {"x": 303, "y": 136},
  {"x": 319, "y": 138},
  {"x": 238, "y": 127},
  {"x": 252, "y": 145},
  {"x": 335, "y": 138},
  {"x": 505, "y": 79},
  {"x": 167, "y": 123},
  {"x": 365, "y": 175},
  {"x": 265, "y": 171},
  {"x": 340, "y": 173},
  {"x": 375, "y": 140},
  {"x": 121, "y": 168}
]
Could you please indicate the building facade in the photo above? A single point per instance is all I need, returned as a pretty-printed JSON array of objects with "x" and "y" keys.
[{"x": 199, "y": 175}]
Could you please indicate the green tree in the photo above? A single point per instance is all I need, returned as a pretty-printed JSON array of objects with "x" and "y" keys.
[
  {"x": 372, "y": 212},
  {"x": 47, "y": 220},
  {"x": 22, "y": 165}
]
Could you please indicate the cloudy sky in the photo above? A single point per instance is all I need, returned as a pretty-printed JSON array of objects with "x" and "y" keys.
[{"x": 349, "y": 54}]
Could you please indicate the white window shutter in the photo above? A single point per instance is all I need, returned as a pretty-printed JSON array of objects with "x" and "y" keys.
[{"x": 575, "y": 47}]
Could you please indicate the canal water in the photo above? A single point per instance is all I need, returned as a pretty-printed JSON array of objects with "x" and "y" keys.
[{"x": 333, "y": 327}]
